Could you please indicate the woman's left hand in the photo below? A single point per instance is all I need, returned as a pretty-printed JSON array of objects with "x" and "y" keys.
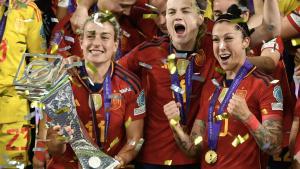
[
  {"x": 121, "y": 161},
  {"x": 238, "y": 107}
]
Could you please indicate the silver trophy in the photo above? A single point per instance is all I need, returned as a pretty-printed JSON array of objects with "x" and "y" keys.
[{"x": 44, "y": 81}]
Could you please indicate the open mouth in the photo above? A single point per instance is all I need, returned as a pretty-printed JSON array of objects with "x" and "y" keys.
[
  {"x": 224, "y": 57},
  {"x": 179, "y": 28}
]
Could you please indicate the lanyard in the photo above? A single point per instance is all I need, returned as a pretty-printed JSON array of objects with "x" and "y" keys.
[{"x": 214, "y": 127}]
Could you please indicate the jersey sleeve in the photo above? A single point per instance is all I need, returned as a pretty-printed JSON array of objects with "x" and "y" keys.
[
  {"x": 135, "y": 106},
  {"x": 294, "y": 18},
  {"x": 36, "y": 39},
  {"x": 271, "y": 102}
]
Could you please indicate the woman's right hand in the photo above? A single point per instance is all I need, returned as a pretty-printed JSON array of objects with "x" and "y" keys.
[
  {"x": 171, "y": 110},
  {"x": 58, "y": 141}
]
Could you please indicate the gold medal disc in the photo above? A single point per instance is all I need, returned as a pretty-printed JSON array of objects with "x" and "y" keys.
[
  {"x": 211, "y": 157},
  {"x": 182, "y": 65},
  {"x": 97, "y": 99}
]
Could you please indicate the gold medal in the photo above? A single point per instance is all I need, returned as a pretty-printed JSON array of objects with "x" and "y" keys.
[
  {"x": 211, "y": 157},
  {"x": 182, "y": 65},
  {"x": 97, "y": 99}
]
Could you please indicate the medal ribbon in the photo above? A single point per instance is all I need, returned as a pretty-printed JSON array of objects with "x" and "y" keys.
[
  {"x": 107, "y": 101},
  {"x": 214, "y": 127},
  {"x": 178, "y": 95},
  {"x": 107, "y": 104},
  {"x": 3, "y": 20},
  {"x": 72, "y": 6}
]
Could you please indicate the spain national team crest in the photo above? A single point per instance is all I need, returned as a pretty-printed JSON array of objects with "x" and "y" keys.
[
  {"x": 200, "y": 58},
  {"x": 116, "y": 101},
  {"x": 242, "y": 93}
]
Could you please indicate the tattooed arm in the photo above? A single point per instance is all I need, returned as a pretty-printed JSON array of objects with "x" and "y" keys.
[
  {"x": 267, "y": 134},
  {"x": 189, "y": 144}
]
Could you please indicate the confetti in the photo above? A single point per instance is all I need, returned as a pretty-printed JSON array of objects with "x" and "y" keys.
[
  {"x": 128, "y": 122},
  {"x": 63, "y": 110},
  {"x": 91, "y": 67},
  {"x": 70, "y": 39},
  {"x": 139, "y": 144},
  {"x": 168, "y": 162},
  {"x": 77, "y": 103},
  {"x": 239, "y": 140},
  {"x": 145, "y": 65},
  {"x": 66, "y": 48},
  {"x": 113, "y": 143},
  {"x": 55, "y": 20},
  {"x": 222, "y": 116},
  {"x": 150, "y": 16},
  {"x": 177, "y": 89},
  {"x": 295, "y": 42},
  {"x": 215, "y": 82},
  {"x": 274, "y": 81},
  {"x": 198, "y": 140},
  {"x": 151, "y": 7}
]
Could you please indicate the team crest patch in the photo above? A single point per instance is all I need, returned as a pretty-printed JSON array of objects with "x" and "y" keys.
[
  {"x": 241, "y": 93},
  {"x": 141, "y": 103},
  {"x": 116, "y": 101},
  {"x": 277, "y": 93}
]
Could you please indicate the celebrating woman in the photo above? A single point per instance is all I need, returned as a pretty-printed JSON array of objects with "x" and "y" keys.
[
  {"x": 109, "y": 99},
  {"x": 241, "y": 110}
]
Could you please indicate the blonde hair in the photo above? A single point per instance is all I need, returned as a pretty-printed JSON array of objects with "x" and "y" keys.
[{"x": 102, "y": 17}]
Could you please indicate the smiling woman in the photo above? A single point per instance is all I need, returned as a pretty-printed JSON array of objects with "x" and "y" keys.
[
  {"x": 110, "y": 101},
  {"x": 241, "y": 111}
]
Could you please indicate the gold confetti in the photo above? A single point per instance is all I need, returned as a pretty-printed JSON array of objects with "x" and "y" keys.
[
  {"x": 264, "y": 111},
  {"x": 149, "y": 16},
  {"x": 222, "y": 116},
  {"x": 63, "y": 110},
  {"x": 175, "y": 121},
  {"x": 172, "y": 56},
  {"x": 113, "y": 143},
  {"x": 198, "y": 140},
  {"x": 26, "y": 92},
  {"x": 36, "y": 104},
  {"x": 91, "y": 67},
  {"x": 240, "y": 140},
  {"x": 238, "y": 20},
  {"x": 168, "y": 162},
  {"x": 77, "y": 103},
  {"x": 128, "y": 122},
  {"x": 54, "y": 49},
  {"x": 295, "y": 42}
]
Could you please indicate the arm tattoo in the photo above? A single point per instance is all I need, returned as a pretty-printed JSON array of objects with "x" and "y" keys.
[
  {"x": 187, "y": 143},
  {"x": 269, "y": 136}
]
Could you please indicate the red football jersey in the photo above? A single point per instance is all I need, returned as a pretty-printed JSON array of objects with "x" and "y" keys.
[
  {"x": 289, "y": 99},
  {"x": 264, "y": 101},
  {"x": 148, "y": 62},
  {"x": 127, "y": 104},
  {"x": 293, "y": 17},
  {"x": 134, "y": 30},
  {"x": 67, "y": 40}
]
